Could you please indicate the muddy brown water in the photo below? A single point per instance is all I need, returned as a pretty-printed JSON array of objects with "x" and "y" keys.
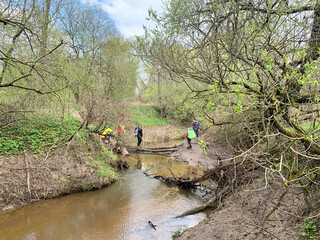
[{"x": 120, "y": 211}]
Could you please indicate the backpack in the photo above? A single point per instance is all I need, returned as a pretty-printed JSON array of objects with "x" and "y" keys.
[
  {"x": 191, "y": 133},
  {"x": 136, "y": 131}
]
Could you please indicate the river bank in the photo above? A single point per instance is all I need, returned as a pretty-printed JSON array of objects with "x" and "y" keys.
[
  {"x": 263, "y": 208},
  {"x": 28, "y": 178}
]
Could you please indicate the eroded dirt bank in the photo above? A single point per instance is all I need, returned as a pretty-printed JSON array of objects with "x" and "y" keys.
[
  {"x": 261, "y": 208},
  {"x": 241, "y": 215},
  {"x": 70, "y": 168}
]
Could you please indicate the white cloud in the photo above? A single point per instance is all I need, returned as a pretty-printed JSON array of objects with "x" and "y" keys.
[{"x": 130, "y": 15}]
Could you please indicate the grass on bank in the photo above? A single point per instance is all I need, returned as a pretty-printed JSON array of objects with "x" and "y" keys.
[
  {"x": 37, "y": 134},
  {"x": 146, "y": 115}
]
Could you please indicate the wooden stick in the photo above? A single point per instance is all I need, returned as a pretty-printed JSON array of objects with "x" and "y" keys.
[{"x": 28, "y": 174}]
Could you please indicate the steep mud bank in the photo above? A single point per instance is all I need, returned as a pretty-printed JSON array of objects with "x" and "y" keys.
[
  {"x": 262, "y": 208},
  {"x": 241, "y": 215},
  {"x": 71, "y": 168}
]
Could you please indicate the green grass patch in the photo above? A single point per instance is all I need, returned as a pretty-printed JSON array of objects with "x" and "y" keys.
[
  {"x": 102, "y": 162},
  {"x": 310, "y": 230},
  {"x": 76, "y": 107},
  {"x": 146, "y": 115},
  {"x": 38, "y": 133}
]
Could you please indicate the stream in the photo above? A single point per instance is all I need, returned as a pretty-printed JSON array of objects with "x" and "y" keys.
[{"x": 119, "y": 211}]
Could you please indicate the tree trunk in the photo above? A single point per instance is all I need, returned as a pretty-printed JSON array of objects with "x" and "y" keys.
[
  {"x": 315, "y": 33},
  {"x": 45, "y": 27}
]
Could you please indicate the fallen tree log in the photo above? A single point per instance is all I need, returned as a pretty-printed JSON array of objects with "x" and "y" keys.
[
  {"x": 209, "y": 204},
  {"x": 155, "y": 150},
  {"x": 222, "y": 175},
  {"x": 225, "y": 176}
]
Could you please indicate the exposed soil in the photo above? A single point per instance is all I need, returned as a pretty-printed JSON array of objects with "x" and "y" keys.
[
  {"x": 242, "y": 214},
  {"x": 216, "y": 150},
  {"x": 71, "y": 168}
]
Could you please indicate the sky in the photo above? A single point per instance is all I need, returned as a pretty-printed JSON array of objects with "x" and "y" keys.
[{"x": 130, "y": 15}]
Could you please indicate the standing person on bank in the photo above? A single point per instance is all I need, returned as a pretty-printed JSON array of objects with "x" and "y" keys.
[
  {"x": 138, "y": 133},
  {"x": 190, "y": 134},
  {"x": 196, "y": 127}
]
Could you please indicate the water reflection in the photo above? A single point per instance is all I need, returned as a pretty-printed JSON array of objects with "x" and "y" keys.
[
  {"x": 120, "y": 211},
  {"x": 162, "y": 165},
  {"x": 139, "y": 163}
]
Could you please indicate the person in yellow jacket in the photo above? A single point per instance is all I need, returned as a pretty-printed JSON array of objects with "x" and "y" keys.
[{"x": 106, "y": 135}]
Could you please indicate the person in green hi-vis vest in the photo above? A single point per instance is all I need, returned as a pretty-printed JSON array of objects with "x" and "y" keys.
[{"x": 190, "y": 134}]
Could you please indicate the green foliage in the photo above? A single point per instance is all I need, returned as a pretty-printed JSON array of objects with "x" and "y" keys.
[
  {"x": 37, "y": 134},
  {"x": 202, "y": 145},
  {"x": 310, "y": 230},
  {"x": 170, "y": 97},
  {"x": 106, "y": 155},
  {"x": 266, "y": 235},
  {"x": 177, "y": 233},
  {"x": 76, "y": 107},
  {"x": 86, "y": 187},
  {"x": 308, "y": 126},
  {"x": 146, "y": 115},
  {"x": 102, "y": 163},
  {"x": 105, "y": 171}
]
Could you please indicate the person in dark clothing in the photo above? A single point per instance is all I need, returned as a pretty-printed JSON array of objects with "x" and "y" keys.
[
  {"x": 138, "y": 133},
  {"x": 196, "y": 127},
  {"x": 189, "y": 141}
]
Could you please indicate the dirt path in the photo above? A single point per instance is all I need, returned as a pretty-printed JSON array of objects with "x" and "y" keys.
[
  {"x": 193, "y": 156},
  {"x": 205, "y": 159}
]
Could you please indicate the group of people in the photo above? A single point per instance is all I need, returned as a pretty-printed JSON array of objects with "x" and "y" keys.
[
  {"x": 106, "y": 135},
  {"x": 192, "y": 132}
]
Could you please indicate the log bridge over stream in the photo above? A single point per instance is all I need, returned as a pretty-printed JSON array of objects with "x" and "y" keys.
[{"x": 154, "y": 150}]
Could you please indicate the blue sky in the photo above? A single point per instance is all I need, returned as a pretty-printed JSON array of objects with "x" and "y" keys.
[{"x": 130, "y": 15}]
